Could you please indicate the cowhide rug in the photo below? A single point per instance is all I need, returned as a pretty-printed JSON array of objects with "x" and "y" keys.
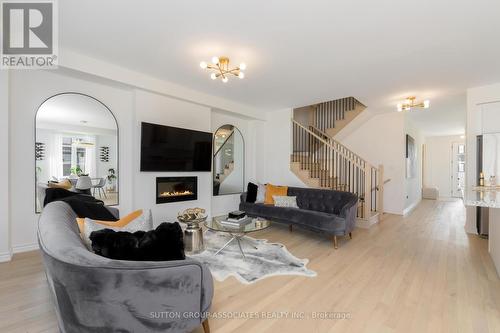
[{"x": 269, "y": 259}]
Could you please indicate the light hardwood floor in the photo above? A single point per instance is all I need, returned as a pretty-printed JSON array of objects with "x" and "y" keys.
[{"x": 421, "y": 273}]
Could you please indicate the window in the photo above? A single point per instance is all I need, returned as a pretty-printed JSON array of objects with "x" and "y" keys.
[
  {"x": 80, "y": 158},
  {"x": 73, "y": 156},
  {"x": 66, "y": 151}
]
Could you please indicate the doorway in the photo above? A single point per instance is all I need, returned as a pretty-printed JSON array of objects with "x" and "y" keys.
[{"x": 457, "y": 169}]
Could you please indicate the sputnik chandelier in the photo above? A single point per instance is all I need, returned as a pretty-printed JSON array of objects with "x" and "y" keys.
[
  {"x": 221, "y": 70},
  {"x": 410, "y": 103}
]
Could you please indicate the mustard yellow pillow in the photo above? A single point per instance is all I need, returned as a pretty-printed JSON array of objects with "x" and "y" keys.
[
  {"x": 65, "y": 184},
  {"x": 274, "y": 190},
  {"x": 115, "y": 224}
]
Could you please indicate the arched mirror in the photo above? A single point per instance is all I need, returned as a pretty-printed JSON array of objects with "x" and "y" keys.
[
  {"x": 76, "y": 148},
  {"x": 229, "y": 161}
]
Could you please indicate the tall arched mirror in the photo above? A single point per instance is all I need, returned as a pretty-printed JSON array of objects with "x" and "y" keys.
[
  {"x": 76, "y": 148},
  {"x": 229, "y": 161}
]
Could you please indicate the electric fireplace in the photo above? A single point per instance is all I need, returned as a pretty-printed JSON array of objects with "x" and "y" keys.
[{"x": 173, "y": 189}]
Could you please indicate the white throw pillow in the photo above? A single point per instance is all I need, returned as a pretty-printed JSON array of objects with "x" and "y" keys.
[
  {"x": 261, "y": 193},
  {"x": 144, "y": 222},
  {"x": 285, "y": 201}
]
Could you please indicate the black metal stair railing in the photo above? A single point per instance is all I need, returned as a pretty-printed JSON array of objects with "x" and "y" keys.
[{"x": 334, "y": 166}]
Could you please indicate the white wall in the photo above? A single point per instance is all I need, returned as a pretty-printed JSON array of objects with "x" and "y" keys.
[
  {"x": 28, "y": 90},
  {"x": 276, "y": 145},
  {"x": 103, "y": 167},
  {"x": 381, "y": 140},
  {"x": 413, "y": 186},
  {"x": 438, "y": 157},
  {"x": 159, "y": 109},
  {"x": 5, "y": 246}
]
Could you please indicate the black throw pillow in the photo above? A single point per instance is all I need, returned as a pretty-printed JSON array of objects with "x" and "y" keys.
[
  {"x": 55, "y": 194},
  {"x": 162, "y": 244},
  {"x": 83, "y": 205},
  {"x": 252, "y": 192},
  {"x": 120, "y": 245}
]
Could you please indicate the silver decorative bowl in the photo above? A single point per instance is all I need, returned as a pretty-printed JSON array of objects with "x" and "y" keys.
[{"x": 192, "y": 221}]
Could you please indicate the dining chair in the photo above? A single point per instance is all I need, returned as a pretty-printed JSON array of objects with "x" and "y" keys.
[
  {"x": 84, "y": 184},
  {"x": 100, "y": 187}
]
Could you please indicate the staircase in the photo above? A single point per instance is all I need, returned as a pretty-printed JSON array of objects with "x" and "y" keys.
[
  {"x": 227, "y": 170},
  {"x": 224, "y": 159},
  {"x": 330, "y": 117},
  {"x": 322, "y": 162}
]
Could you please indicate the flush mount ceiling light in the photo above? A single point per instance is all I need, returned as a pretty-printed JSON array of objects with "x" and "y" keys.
[
  {"x": 410, "y": 103},
  {"x": 220, "y": 68},
  {"x": 81, "y": 143}
]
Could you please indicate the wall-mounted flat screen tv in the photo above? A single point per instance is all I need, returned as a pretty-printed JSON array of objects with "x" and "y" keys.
[{"x": 165, "y": 148}]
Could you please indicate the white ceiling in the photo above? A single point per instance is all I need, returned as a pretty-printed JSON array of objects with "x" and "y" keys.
[
  {"x": 446, "y": 116},
  {"x": 71, "y": 109},
  {"x": 298, "y": 52}
]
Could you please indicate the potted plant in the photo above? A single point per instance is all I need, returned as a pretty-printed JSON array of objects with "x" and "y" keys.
[
  {"x": 111, "y": 180},
  {"x": 76, "y": 171}
]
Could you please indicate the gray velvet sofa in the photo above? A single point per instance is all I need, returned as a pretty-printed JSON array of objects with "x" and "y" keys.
[
  {"x": 96, "y": 294},
  {"x": 327, "y": 211}
]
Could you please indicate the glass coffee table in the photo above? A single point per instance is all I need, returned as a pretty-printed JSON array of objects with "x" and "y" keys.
[{"x": 237, "y": 233}]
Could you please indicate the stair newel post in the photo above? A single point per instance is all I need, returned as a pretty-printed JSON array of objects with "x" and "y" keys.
[
  {"x": 294, "y": 142},
  {"x": 368, "y": 191},
  {"x": 307, "y": 139},
  {"x": 380, "y": 192},
  {"x": 314, "y": 155}
]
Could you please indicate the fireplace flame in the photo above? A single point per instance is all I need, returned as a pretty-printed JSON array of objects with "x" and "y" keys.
[{"x": 175, "y": 193}]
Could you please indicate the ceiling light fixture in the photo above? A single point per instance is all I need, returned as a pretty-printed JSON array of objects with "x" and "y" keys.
[
  {"x": 220, "y": 66},
  {"x": 81, "y": 143},
  {"x": 410, "y": 103}
]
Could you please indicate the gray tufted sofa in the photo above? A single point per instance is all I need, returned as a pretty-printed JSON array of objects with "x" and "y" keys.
[
  {"x": 327, "y": 211},
  {"x": 95, "y": 294}
]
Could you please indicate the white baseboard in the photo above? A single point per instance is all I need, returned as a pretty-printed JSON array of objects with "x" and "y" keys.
[
  {"x": 409, "y": 209},
  {"x": 6, "y": 256},
  {"x": 25, "y": 248},
  {"x": 400, "y": 213},
  {"x": 367, "y": 223}
]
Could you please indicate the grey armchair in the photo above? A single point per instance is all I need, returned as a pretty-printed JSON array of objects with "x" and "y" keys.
[{"x": 96, "y": 294}]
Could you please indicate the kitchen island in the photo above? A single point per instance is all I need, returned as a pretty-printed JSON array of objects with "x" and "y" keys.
[{"x": 488, "y": 196}]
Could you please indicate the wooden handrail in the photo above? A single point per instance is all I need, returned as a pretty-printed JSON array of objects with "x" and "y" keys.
[
  {"x": 338, "y": 143},
  {"x": 337, "y": 167},
  {"x": 330, "y": 145},
  {"x": 222, "y": 145},
  {"x": 376, "y": 188}
]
